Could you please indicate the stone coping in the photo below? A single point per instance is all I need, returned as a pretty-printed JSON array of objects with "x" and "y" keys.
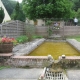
[
  {"x": 74, "y": 43},
  {"x": 31, "y": 57},
  {"x": 24, "y": 49},
  {"x": 45, "y": 57},
  {"x": 72, "y": 57},
  {"x": 6, "y": 54}
]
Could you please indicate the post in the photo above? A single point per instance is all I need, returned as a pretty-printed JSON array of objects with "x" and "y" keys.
[
  {"x": 63, "y": 29},
  {"x": 1, "y": 30},
  {"x": 17, "y": 28}
]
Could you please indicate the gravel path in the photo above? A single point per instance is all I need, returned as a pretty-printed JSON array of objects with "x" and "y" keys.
[{"x": 19, "y": 73}]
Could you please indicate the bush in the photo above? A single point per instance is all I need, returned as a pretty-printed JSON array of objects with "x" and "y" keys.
[
  {"x": 36, "y": 36},
  {"x": 22, "y": 39}
]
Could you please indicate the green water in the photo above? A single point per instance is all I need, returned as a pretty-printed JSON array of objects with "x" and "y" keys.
[{"x": 55, "y": 49}]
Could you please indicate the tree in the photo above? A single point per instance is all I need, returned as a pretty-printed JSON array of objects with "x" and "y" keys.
[
  {"x": 9, "y": 5},
  {"x": 18, "y": 13},
  {"x": 35, "y": 9},
  {"x": 78, "y": 13},
  {"x": 1, "y": 14},
  {"x": 77, "y": 5}
]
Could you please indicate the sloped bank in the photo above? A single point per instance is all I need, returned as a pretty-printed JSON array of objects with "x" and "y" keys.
[
  {"x": 74, "y": 43},
  {"x": 26, "y": 48}
]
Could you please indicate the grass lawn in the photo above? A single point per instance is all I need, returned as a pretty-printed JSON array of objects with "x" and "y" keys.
[
  {"x": 3, "y": 67},
  {"x": 75, "y": 37}
]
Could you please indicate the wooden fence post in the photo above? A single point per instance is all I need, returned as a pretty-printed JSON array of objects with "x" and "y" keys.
[
  {"x": 1, "y": 30},
  {"x": 17, "y": 28}
]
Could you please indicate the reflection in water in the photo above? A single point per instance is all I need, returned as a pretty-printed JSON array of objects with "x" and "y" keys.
[{"x": 55, "y": 49}]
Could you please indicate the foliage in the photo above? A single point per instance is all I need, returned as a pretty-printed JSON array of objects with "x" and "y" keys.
[
  {"x": 1, "y": 14},
  {"x": 22, "y": 39},
  {"x": 75, "y": 37},
  {"x": 78, "y": 13},
  {"x": 30, "y": 30},
  {"x": 35, "y": 9},
  {"x": 74, "y": 14},
  {"x": 3, "y": 67},
  {"x": 50, "y": 31},
  {"x": 37, "y": 36},
  {"x": 18, "y": 13},
  {"x": 48, "y": 22},
  {"x": 76, "y": 4},
  {"x": 9, "y": 5},
  {"x": 7, "y": 40}
]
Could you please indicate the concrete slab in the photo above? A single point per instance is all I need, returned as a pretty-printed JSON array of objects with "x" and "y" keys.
[
  {"x": 73, "y": 74},
  {"x": 20, "y": 74}
]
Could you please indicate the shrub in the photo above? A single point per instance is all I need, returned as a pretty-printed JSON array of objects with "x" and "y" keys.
[
  {"x": 22, "y": 39},
  {"x": 37, "y": 36}
]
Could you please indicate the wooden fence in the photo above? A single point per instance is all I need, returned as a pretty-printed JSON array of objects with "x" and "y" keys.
[
  {"x": 42, "y": 31},
  {"x": 71, "y": 30},
  {"x": 12, "y": 29},
  {"x": 63, "y": 31},
  {"x": 17, "y": 28}
]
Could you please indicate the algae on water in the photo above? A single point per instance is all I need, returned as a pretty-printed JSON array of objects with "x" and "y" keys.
[{"x": 55, "y": 49}]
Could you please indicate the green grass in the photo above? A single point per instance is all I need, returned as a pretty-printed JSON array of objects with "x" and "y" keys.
[
  {"x": 75, "y": 37},
  {"x": 3, "y": 67}
]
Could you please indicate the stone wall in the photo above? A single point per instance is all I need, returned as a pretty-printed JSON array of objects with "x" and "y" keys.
[
  {"x": 28, "y": 61},
  {"x": 68, "y": 62}
]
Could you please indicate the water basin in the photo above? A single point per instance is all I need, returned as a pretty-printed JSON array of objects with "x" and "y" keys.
[{"x": 55, "y": 49}]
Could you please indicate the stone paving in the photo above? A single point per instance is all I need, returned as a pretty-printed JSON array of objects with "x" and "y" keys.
[
  {"x": 20, "y": 73},
  {"x": 31, "y": 74},
  {"x": 73, "y": 74}
]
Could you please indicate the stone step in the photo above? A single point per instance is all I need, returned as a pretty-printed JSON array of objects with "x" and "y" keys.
[{"x": 56, "y": 37}]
